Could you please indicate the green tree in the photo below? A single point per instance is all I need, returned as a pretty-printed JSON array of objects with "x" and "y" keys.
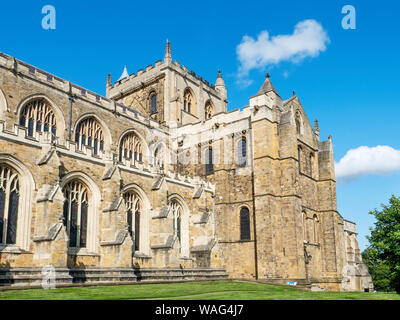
[
  {"x": 379, "y": 270},
  {"x": 383, "y": 254}
]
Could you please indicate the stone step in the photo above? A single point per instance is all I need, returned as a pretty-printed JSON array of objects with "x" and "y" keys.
[{"x": 32, "y": 277}]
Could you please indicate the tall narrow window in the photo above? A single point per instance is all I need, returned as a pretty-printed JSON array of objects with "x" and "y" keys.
[
  {"x": 209, "y": 161},
  {"x": 38, "y": 116},
  {"x": 310, "y": 163},
  {"x": 9, "y": 204},
  {"x": 90, "y": 134},
  {"x": 76, "y": 213},
  {"x": 242, "y": 152},
  {"x": 310, "y": 229},
  {"x": 177, "y": 214},
  {"x": 299, "y": 157},
  {"x": 209, "y": 110},
  {"x": 244, "y": 224},
  {"x": 304, "y": 214},
  {"x": 131, "y": 148},
  {"x": 134, "y": 207},
  {"x": 159, "y": 157},
  {"x": 315, "y": 228},
  {"x": 153, "y": 101},
  {"x": 188, "y": 101}
]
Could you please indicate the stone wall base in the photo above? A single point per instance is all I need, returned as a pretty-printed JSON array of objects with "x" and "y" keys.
[{"x": 33, "y": 277}]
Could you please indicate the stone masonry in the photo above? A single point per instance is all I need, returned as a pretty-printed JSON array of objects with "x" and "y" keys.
[{"x": 158, "y": 181}]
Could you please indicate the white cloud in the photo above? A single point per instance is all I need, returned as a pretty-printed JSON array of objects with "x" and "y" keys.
[
  {"x": 366, "y": 161},
  {"x": 307, "y": 40}
]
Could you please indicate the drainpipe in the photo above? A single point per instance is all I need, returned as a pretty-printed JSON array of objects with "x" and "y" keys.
[{"x": 254, "y": 200}]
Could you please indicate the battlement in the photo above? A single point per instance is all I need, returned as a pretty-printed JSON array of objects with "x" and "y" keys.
[
  {"x": 193, "y": 74},
  {"x": 77, "y": 92},
  {"x": 149, "y": 74}
]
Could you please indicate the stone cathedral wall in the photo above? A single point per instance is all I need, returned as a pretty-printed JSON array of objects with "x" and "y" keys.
[
  {"x": 52, "y": 161},
  {"x": 273, "y": 218}
]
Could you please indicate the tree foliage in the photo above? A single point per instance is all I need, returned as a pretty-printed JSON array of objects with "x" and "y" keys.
[{"x": 383, "y": 254}]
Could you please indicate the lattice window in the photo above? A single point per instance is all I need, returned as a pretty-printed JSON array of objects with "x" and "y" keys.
[
  {"x": 188, "y": 101},
  {"x": 134, "y": 207},
  {"x": 90, "y": 134},
  {"x": 38, "y": 116},
  {"x": 131, "y": 148},
  {"x": 244, "y": 224},
  {"x": 209, "y": 161},
  {"x": 76, "y": 209},
  {"x": 209, "y": 110},
  {"x": 242, "y": 152},
  {"x": 9, "y": 204},
  {"x": 153, "y": 103}
]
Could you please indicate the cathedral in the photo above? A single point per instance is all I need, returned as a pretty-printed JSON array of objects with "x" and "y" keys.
[{"x": 158, "y": 181}]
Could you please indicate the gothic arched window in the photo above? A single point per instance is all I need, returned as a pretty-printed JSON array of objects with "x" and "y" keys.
[
  {"x": 159, "y": 157},
  {"x": 131, "y": 148},
  {"x": 209, "y": 161},
  {"x": 305, "y": 236},
  {"x": 76, "y": 208},
  {"x": 153, "y": 103},
  {"x": 90, "y": 134},
  {"x": 38, "y": 116},
  {"x": 310, "y": 163},
  {"x": 242, "y": 152},
  {"x": 244, "y": 224},
  {"x": 188, "y": 101},
  {"x": 177, "y": 214},
  {"x": 9, "y": 204},
  {"x": 134, "y": 208},
  {"x": 209, "y": 110},
  {"x": 315, "y": 228}
]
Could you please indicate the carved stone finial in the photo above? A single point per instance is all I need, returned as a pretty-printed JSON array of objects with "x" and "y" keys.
[
  {"x": 267, "y": 76},
  {"x": 294, "y": 93},
  {"x": 168, "y": 54}
]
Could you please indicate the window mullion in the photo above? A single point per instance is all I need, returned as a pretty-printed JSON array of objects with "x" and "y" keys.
[
  {"x": 78, "y": 222},
  {"x": 69, "y": 214},
  {"x": 6, "y": 209}
]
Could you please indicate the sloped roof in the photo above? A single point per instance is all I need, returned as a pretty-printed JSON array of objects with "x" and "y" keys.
[
  {"x": 267, "y": 87},
  {"x": 124, "y": 75}
]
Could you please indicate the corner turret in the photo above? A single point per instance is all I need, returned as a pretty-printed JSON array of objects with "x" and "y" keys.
[
  {"x": 220, "y": 85},
  {"x": 267, "y": 95}
]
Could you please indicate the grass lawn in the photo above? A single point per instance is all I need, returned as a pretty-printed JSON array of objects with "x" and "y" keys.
[{"x": 221, "y": 290}]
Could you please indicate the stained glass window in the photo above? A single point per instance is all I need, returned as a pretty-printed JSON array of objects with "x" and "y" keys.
[
  {"x": 9, "y": 205},
  {"x": 76, "y": 213},
  {"x": 89, "y": 133},
  {"x": 38, "y": 116},
  {"x": 134, "y": 206}
]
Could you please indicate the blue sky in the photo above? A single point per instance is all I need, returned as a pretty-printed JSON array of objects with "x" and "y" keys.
[{"x": 351, "y": 86}]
